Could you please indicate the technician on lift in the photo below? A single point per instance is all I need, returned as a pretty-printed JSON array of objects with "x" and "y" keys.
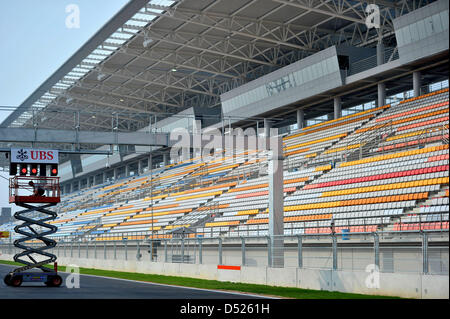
[{"x": 37, "y": 189}]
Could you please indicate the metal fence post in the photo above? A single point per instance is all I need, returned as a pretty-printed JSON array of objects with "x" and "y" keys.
[
  {"x": 300, "y": 251},
  {"x": 172, "y": 243},
  {"x": 243, "y": 250},
  {"x": 126, "y": 250},
  {"x": 138, "y": 252},
  {"x": 425, "y": 252},
  {"x": 151, "y": 249},
  {"x": 71, "y": 249},
  {"x": 182, "y": 250},
  {"x": 165, "y": 250},
  {"x": 376, "y": 246},
  {"x": 115, "y": 250},
  {"x": 220, "y": 251},
  {"x": 87, "y": 250},
  {"x": 194, "y": 247},
  {"x": 104, "y": 250},
  {"x": 334, "y": 246},
  {"x": 65, "y": 248},
  {"x": 95, "y": 250},
  {"x": 200, "y": 251},
  {"x": 269, "y": 252},
  {"x": 79, "y": 250}
]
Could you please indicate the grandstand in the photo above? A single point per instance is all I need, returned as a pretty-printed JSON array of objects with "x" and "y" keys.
[{"x": 362, "y": 114}]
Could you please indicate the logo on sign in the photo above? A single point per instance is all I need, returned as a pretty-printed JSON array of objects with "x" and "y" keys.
[
  {"x": 34, "y": 156},
  {"x": 22, "y": 155}
]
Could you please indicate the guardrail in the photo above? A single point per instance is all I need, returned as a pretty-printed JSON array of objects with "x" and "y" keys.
[{"x": 424, "y": 252}]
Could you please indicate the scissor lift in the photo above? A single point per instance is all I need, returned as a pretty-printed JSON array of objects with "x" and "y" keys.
[{"x": 34, "y": 229}]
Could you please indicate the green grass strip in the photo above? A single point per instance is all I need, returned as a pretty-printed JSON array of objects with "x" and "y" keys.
[{"x": 285, "y": 292}]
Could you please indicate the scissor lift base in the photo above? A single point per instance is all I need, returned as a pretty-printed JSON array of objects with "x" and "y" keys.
[{"x": 51, "y": 279}]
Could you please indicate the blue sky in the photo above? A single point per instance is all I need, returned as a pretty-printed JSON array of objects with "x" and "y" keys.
[{"x": 35, "y": 42}]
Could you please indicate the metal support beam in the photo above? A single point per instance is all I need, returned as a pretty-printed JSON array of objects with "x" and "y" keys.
[
  {"x": 276, "y": 206},
  {"x": 23, "y": 135}
]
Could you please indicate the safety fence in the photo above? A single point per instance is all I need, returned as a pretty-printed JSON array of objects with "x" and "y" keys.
[{"x": 425, "y": 252}]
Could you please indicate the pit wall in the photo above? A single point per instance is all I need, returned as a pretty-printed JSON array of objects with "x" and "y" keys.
[{"x": 407, "y": 285}]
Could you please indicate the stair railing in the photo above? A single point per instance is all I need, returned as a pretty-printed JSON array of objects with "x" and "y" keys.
[{"x": 377, "y": 135}]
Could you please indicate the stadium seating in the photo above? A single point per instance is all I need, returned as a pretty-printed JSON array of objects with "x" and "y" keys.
[{"x": 381, "y": 169}]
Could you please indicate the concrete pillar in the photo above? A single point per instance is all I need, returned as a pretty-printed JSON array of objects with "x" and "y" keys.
[
  {"x": 276, "y": 206},
  {"x": 79, "y": 184},
  {"x": 380, "y": 53},
  {"x": 139, "y": 167},
  {"x": 381, "y": 94},
  {"x": 127, "y": 170},
  {"x": 197, "y": 139},
  {"x": 115, "y": 173},
  {"x": 416, "y": 83},
  {"x": 150, "y": 162},
  {"x": 267, "y": 126},
  {"x": 104, "y": 177},
  {"x": 337, "y": 107},
  {"x": 166, "y": 159},
  {"x": 300, "y": 119}
]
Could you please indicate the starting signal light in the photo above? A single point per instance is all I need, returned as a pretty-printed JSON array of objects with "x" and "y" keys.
[
  {"x": 34, "y": 170},
  {"x": 54, "y": 170},
  {"x": 23, "y": 170}
]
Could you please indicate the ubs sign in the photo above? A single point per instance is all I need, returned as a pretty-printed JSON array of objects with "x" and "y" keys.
[{"x": 27, "y": 155}]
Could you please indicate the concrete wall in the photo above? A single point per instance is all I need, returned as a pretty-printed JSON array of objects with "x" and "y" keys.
[{"x": 407, "y": 285}]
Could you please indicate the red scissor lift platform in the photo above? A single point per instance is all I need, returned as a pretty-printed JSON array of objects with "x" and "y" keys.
[{"x": 20, "y": 190}]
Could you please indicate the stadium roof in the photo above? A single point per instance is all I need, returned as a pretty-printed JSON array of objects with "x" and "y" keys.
[{"x": 161, "y": 57}]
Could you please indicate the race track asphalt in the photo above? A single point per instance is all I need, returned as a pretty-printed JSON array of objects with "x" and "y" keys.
[{"x": 93, "y": 287}]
